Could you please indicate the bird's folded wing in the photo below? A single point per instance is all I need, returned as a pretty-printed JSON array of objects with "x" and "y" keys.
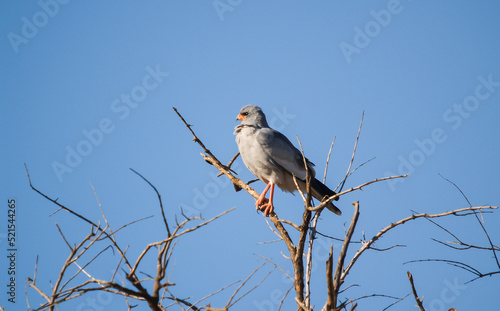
[{"x": 284, "y": 153}]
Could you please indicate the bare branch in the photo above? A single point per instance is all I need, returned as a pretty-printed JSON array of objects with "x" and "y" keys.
[
  {"x": 368, "y": 244},
  {"x": 64, "y": 238},
  {"x": 284, "y": 297},
  {"x": 299, "y": 190},
  {"x": 398, "y": 301},
  {"x": 360, "y": 187},
  {"x": 269, "y": 242},
  {"x": 479, "y": 221},
  {"x": 81, "y": 269},
  {"x": 230, "y": 164},
  {"x": 374, "y": 295},
  {"x": 229, "y": 304},
  {"x": 175, "y": 235},
  {"x": 330, "y": 304},
  {"x": 298, "y": 262},
  {"x": 159, "y": 199},
  {"x": 414, "y": 290},
  {"x": 328, "y": 160},
  {"x": 36, "y": 270},
  {"x": 276, "y": 265},
  {"x": 457, "y": 264},
  {"x": 100, "y": 206},
  {"x": 131, "y": 223},
  {"x": 337, "y": 279},
  {"x": 55, "y": 201},
  {"x": 466, "y": 246},
  {"x": 269, "y": 225},
  {"x": 312, "y": 236},
  {"x": 39, "y": 291},
  {"x": 301, "y": 304},
  {"x": 308, "y": 174},
  {"x": 342, "y": 183},
  {"x": 288, "y": 222},
  {"x": 361, "y": 165},
  {"x": 210, "y": 295}
]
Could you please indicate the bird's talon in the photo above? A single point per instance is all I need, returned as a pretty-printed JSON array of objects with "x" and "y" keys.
[
  {"x": 261, "y": 202},
  {"x": 267, "y": 208}
]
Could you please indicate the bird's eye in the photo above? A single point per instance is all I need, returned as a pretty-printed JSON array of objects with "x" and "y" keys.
[{"x": 244, "y": 113}]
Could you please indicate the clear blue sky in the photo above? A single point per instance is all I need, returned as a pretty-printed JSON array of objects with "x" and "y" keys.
[{"x": 87, "y": 93}]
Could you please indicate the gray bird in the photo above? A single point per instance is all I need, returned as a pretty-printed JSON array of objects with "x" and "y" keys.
[{"x": 271, "y": 157}]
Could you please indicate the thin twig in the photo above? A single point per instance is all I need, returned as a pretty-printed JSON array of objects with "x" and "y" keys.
[
  {"x": 328, "y": 160},
  {"x": 243, "y": 284},
  {"x": 271, "y": 228},
  {"x": 455, "y": 263},
  {"x": 131, "y": 223},
  {"x": 312, "y": 237},
  {"x": 360, "y": 187},
  {"x": 64, "y": 238},
  {"x": 312, "y": 234},
  {"x": 374, "y": 295},
  {"x": 229, "y": 304},
  {"x": 56, "y": 202},
  {"x": 342, "y": 183},
  {"x": 230, "y": 164},
  {"x": 214, "y": 293},
  {"x": 377, "y": 236},
  {"x": 360, "y": 166},
  {"x": 337, "y": 279},
  {"x": 276, "y": 265},
  {"x": 159, "y": 199},
  {"x": 480, "y": 222},
  {"x": 284, "y": 297},
  {"x": 269, "y": 242},
  {"x": 398, "y": 301},
  {"x": 288, "y": 222},
  {"x": 414, "y": 290},
  {"x": 174, "y": 236},
  {"x": 100, "y": 206},
  {"x": 298, "y": 261}
]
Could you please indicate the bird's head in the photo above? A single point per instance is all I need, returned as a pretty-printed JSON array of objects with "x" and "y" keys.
[{"x": 252, "y": 115}]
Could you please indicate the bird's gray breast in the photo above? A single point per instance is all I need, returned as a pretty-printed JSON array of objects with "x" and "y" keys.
[{"x": 255, "y": 157}]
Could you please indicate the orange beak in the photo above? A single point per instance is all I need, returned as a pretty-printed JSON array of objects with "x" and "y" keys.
[{"x": 241, "y": 117}]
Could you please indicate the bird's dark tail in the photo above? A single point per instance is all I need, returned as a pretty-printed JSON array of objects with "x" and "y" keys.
[{"x": 320, "y": 191}]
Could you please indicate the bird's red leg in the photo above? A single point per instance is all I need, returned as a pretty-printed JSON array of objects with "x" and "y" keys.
[
  {"x": 268, "y": 207},
  {"x": 262, "y": 199}
]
